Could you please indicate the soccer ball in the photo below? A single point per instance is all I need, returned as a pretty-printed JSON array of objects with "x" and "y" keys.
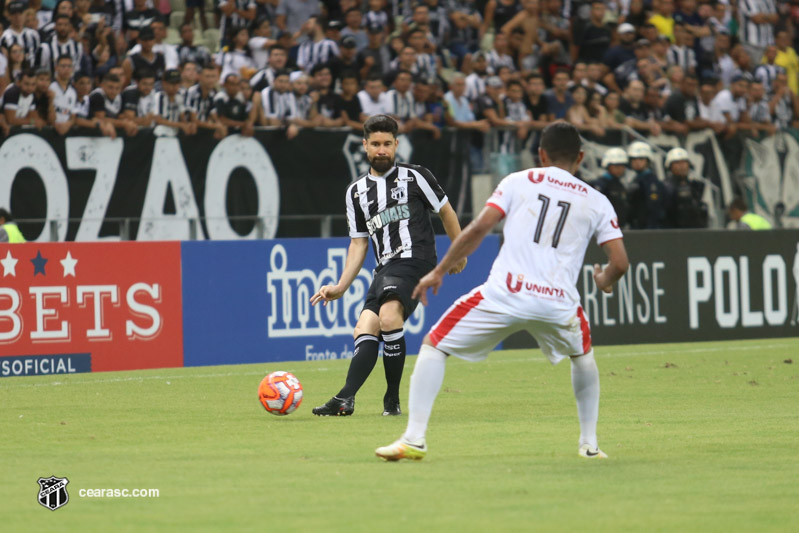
[{"x": 280, "y": 393}]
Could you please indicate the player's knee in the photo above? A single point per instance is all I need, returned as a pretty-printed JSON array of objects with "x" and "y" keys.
[{"x": 391, "y": 316}]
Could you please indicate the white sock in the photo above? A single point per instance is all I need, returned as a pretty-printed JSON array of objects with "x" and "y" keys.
[
  {"x": 426, "y": 380},
  {"x": 585, "y": 382}
]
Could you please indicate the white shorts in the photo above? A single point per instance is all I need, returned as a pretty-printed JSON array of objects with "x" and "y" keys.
[{"x": 473, "y": 326}]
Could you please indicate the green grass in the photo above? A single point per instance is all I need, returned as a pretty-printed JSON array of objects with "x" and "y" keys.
[{"x": 701, "y": 437}]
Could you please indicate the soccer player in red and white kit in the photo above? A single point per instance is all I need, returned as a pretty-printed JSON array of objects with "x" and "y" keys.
[{"x": 550, "y": 218}]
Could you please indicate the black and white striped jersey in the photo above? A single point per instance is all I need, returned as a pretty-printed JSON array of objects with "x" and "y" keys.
[
  {"x": 497, "y": 61},
  {"x": 262, "y": 79},
  {"x": 766, "y": 74},
  {"x": 28, "y": 39},
  {"x": 234, "y": 21},
  {"x": 199, "y": 104},
  {"x": 21, "y": 104},
  {"x": 475, "y": 86},
  {"x": 681, "y": 56},
  {"x": 279, "y": 105},
  {"x": 393, "y": 210},
  {"x": 750, "y": 32},
  {"x": 312, "y": 53},
  {"x": 50, "y": 51},
  {"x": 64, "y": 100},
  {"x": 402, "y": 104},
  {"x": 99, "y": 102},
  {"x": 141, "y": 104},
  {"x": 171, "y": 109}
]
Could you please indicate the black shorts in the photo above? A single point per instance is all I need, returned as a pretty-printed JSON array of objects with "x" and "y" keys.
[{"x": 396, "y": 281}]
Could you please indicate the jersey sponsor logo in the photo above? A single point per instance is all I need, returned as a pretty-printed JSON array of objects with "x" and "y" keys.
[
  {"x": 535, "y": 177},
  {"x": 533, "y": 289},
  {"x": 567, "y": 185},
  {"x": 392, "y": 214},
  {"x": 391, "y": 253}
]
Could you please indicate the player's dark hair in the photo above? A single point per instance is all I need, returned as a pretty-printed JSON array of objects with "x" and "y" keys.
[
  {"x": 380, "y": 123},
  {"x": 561, "y": 141}
]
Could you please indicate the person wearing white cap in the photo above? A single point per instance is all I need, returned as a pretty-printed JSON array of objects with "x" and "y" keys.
[
  {"x": 685, "y": 206},
  {"x": 619, "y": 54},
  {"x": 609, "y": 183},
  {"x": 647, "y": 192}
]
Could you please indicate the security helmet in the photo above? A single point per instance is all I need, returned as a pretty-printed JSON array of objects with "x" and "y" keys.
[
  {"x": 676, "y": 154},
  {"x": 614, "y": 156},
  {"x": 639, "y": 149}
]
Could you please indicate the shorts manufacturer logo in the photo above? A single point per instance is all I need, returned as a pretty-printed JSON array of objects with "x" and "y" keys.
[{"x": 53, "y": 492}]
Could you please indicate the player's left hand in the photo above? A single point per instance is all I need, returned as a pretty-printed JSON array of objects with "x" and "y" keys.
[
  {"x": 457, "y": 269},
  {"x": 433, "y": 280}
]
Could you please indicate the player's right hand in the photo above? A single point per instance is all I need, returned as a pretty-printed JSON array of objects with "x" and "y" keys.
[
  {"x": 433, "y": 280},
  {"x": 328, "y": 293},
  {"x": 599, "y": 279}
]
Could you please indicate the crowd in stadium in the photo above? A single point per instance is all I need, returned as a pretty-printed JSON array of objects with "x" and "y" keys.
[
  {"x": 659, "y": 65},
  {"x": 655, "y": 66}
]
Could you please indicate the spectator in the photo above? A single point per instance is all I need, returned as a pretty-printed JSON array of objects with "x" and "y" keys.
[
  {"x": 709, "y": 109},
  {"x": 722, "y": 66},
  {"x": 498, "y": 13},
  {"x": 615, "y": 118},
  {"x": 597, "y": 111},
  {"x": 637, "y": 113},
  {"x": 146, "y": 58},
  {"x": 376, "y": 16},
  {"x": 459, "y": 112},
  {"x": 517, "y": 116},
  {"x": 306, "y": 110},
  {"x": 237, "y": 60},
  {"x": 373, "y": 99},
  {"x": 759, "y": 112},
  {"x": 260, "y": 43},
  {"x": 278, "y": 57},
  {"x": 105, "y": 105},
  {"x": 17, "y": 33},
  {"x": 83, "y": 86},
  {"x": 401, "y": 101},
  {"x": 476, "y": 81},
  {"x": 170, "y": 112},
  {"x": 64, "y": 95},
  {"x": 235, "y": 15},
  {"x": 630, "y": 70},
  {"x": 353, "y": 20},
  {"x": 682, "y": 51},
  {"x": 293, "y": 14},
  {"x": 490, "y": 106},
  {"x": 200, "y": 102},
  {"x": 686, "y": 209},
  {"x": 326, "y": 100},
  {"x": 464, "y": 39},
  {"x": 187, "y": 50},
  {"x": 280, "y": 105},
  {"x": 376, "y": 57},
  {"x": 647, "y": 194},
  {"x": 558, "y": 36},
  {"x": 536, "y": 101},
  {"x": 138, "y": 101},
  {"x": 349, "y": 106},
  {"x": 622, "y": 52},
  {"x": 320, "y": 46},
  {"x": 592, "y": 39},
  {"x": 19, "y": 102},
  {"x": 681, "y": 111},
  {"x": 767, "y": 70},
  {"x": 170, "y": 51},
  {"x": 757, "y": 19},
  {"x": 732, "y": 104},
  {"x": 593, "y": 78},
  {"x": 743, "y": 64},
  {"x": 346, "y": 60},
  {"x": 610, "y": 184},
  {"x": 558, "y": 98},
  {"x": 189, "y": 74},
  {"x": 787, "y": 59},
  {"x": 498, "y": 56},
  {"x": 60, "y": 44},
  {"x": 663, "y": 18},
  {"x": 578, "y": 113},
  {"x": 784, "y": 104},
  {"x": 139, "y": 17},
  {"x": 44, "y": 96},
  {"x": 426, "y": 63},
  {"x": 742, "y": 218},
  {"x": 230, "y": 107},
  {"x": 9, "y": 231},
  {"x": 423, "y": 118}
]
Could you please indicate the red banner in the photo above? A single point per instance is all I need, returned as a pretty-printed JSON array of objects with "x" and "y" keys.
[{"x": 109, "y": 306}]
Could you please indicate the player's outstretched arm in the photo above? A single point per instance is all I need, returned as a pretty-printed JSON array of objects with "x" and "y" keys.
[
  {"x": 356, "y": 254},
  {"x": 453, "y": 228},
  {"x": 466, "y": 243},
  {"x": 616, "y": 267}
]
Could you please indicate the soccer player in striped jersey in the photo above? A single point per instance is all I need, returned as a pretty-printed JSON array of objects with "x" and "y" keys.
[
  {"x": 390, "y": 206},
  {"x": 550, "y": 218}
]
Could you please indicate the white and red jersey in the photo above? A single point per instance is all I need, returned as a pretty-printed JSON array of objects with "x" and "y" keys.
[{"x": 550, "y": 217}]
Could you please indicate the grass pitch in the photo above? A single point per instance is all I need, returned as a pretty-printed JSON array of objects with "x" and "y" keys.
[{"x": 701, "y": 437}]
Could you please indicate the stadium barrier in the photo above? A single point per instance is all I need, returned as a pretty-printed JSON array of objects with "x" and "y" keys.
[
  {"x": 88, "y": 188},
  {"x": 79, "y": 307}
]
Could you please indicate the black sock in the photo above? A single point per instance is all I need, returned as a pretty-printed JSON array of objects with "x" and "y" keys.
[
  {"x": 361, "y": 365},
  {"x": 393, "y": 361}
]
